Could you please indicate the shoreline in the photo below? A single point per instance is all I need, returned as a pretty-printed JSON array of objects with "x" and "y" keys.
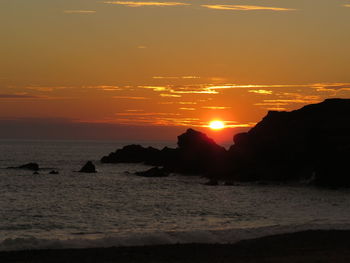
[{"x": 304, "y": 246}]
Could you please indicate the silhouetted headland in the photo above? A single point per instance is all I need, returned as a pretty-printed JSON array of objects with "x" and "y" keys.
[{"x": 310, "y": 144}]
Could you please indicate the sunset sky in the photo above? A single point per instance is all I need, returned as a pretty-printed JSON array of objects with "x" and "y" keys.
[{"x": 148, "y": 70}]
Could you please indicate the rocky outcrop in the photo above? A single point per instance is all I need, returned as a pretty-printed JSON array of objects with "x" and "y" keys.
[
  {"x": 28, "y": 166},
  {"x": 284, "y": 146},
  {"x": 89, "y": 167},
  {"x": 196, "y": 153},
  {"x": 133, "y": 154}
]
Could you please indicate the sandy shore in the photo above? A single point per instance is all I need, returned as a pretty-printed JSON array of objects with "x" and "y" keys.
[{"x": 307, "y": 246}]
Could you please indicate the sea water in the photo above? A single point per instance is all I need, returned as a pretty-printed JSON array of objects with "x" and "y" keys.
[{"x": 114, "y": 207}]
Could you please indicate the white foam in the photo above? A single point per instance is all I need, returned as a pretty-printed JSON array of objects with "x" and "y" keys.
[{"x": 159, "y": 238}]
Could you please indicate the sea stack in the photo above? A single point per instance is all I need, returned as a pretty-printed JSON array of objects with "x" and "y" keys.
[{"x": 89, "y": 167}]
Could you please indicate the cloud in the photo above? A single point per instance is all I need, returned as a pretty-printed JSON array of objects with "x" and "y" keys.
[
  {"x": 132, "y": 110},
  {"x": 216, "y": 108},
  {"x": 141, "y": 4},
  {"x": 170, "y": 95},
  {"x": 187, "y": 109},
  {"x": 21, "y": 96},
  {"x": 246, "y": 8},
  {"x": 187, "y": 102},
  {"x": 86, "y": 12},
  {"x": 130, "y": 98},
  {"x": 347, "y": 5},
  {"x": 261, "y": 91},
  {"x": 181, "y": 77},
  {"x": 305, "y": 100},
  {"x": 106, "y": 88},
  {"x": 135, "y": 113}
]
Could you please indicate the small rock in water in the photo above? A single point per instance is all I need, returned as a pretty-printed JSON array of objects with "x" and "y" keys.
[
  {"x": 28, "y": 166},
  {"x": 153, "y": 172},
  {"x": 89, "y": 167},
  {"x": 54, "y": 172}
]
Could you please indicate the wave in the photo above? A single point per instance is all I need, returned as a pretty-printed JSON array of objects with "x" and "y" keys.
[{"x": 227, "y": 236}]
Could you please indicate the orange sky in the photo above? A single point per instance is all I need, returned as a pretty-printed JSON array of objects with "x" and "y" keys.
[{"x": 170, "y": 65}]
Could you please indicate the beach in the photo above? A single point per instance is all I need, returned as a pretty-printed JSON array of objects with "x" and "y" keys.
[{"x": 306, "y": 246}]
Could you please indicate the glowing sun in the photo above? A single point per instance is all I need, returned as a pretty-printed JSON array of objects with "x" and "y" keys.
[{"x": 216, "y": 125}]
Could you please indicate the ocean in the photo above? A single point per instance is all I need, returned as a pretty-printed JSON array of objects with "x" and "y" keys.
[{"x": 116, "y": 208}]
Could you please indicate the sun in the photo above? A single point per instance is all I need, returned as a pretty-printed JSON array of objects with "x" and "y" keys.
[{"x": 216, "y": 125}]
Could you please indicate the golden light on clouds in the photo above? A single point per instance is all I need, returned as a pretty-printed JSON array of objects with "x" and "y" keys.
[
  {"x": 184, "y": 108},
  {"x": 246, "y": 8},
  {"x": 130, "y": 98},
  {"x": 141, "y": 4},
  {"x": 216, "y": 107},
  {"x": 190, "y": 105},
  {"x": 261, "y": 91}
]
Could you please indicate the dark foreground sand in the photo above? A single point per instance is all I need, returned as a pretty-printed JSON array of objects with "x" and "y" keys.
[{"x": 308, "y": 246}]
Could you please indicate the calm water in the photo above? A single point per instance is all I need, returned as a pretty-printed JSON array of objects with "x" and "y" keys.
[{"x": 114, "y": 207}]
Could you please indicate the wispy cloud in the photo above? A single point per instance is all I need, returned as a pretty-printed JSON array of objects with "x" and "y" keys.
[
  {"x": 79, "y": 12},
  {"x": 187, "y": 102},
  {"x": 20, "y": 96},
  {"x": 177, "y": 91},
  {"x": 261, "y": 91},
  {"x": 181, "y": 77},
  {"x": 216, "y": 108},
  {"x": 170, "y": 95},
  {"x": 246, "y": 8},
  {"x": 146, "y": 114},
  {"x": 141, "y": 4},
  {"x": 130, "y": 98},
  {"x": 187, "y": 108}
]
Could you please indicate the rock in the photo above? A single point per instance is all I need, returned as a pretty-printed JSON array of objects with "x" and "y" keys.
[
  {"x": 28, "y": 166},
  {"x": 294, "y": 146},
  {"x": 36, "y": 173},
  {"x": 196, "y": 153},
  {"x": 89, "y": 167},
  {"x": 53, "y": 172},
  {"x": 153, "y": 172},
  {"x": 133, "y": 154}
]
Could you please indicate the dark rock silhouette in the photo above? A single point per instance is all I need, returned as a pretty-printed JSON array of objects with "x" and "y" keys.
[
  {"x": 132, "y": 154},
  {"x": 36, "y": 172},
  {"x": 196, "y": 153},
  {"x": 89, "y": 167},
  {"x": 28, "y": 166},
  {"x": 284, "y": 146},
  {"x": 53, "y": 172},
  {"x": 153, "y": 172}
]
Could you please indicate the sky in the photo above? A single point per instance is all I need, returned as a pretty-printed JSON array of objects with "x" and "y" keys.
[{"x": 148, "y": 70}]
